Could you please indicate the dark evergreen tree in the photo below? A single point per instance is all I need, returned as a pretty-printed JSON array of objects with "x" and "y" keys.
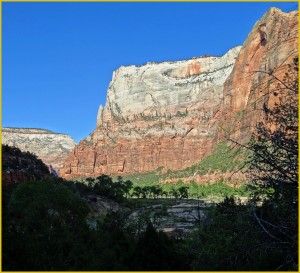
[{"x": 274, "y": 169}]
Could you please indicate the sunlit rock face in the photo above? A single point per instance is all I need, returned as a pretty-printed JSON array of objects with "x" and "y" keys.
[
  {"x": 156, "y": 115},
  {"x": 172, "y": 114},
  {"x": 262, "y": 63},
  {"x": 52, "y": 148},
  {"x": 158, "y": 89}
]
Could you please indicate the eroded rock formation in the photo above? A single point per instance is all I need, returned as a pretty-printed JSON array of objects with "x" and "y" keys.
[
  {"x": 52, "y": 148},
  {"x": 156, "y": 115},
  {"x": 172, "y": 114},
  {"x": 262, "y": 63}
]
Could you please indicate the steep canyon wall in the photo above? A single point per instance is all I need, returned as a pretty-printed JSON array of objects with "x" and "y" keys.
[{"x": 172, "y": 114}]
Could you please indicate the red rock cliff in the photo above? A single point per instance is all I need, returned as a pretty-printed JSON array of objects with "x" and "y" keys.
[
  {"x": 262, "y": 63},
  {"x": 168, "y": 114}
]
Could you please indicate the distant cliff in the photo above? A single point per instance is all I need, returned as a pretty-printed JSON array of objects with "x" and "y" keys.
[
  {"x": 52, "y": 148},
  {"x": 172, "y": 114}
]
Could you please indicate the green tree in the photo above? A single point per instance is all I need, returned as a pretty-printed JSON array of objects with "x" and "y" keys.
[
  {"x": 103, "y": 185},
  {"x": 174, "y": 192},
  {"x": 165, "y": 194},
  {"x": 137, "y": 191},
  {"x": 127, "y": 186},
  {"x": 230, "y": 240},
  {"x": 156, "y": 191},
  {"x": 113, "y": 247},
  {"x": 41, "y": 226},
  {"x": 91, "y": 182},
  {"x": 183, "y": 192},
  {"x": 106, "y": 187},
  {"x": 274, "y": 168},
  {"x": 146, "y": 191},
  {"x": 274, "y": 163},
  {"x": 273, "y": 171}
]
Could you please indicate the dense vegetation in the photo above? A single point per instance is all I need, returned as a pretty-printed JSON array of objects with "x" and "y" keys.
[
  {"x": 45, "y": 222},
  {"x": 45, "y": 228},
  {"x": 223, "y": 158},
  {"x": 13, "y": 159},
  {"x": 149, "y": 189}
]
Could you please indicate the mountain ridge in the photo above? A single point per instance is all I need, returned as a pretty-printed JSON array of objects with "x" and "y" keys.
[
  {"x": 31, "y": 130},
  {"x": 51, "y": 147},
  {"x": 170, "y": 115}
]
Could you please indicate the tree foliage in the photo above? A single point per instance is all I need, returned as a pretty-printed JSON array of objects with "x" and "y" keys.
[
  {"x": 45, "y": 228},
  {"x": 274, "y": 145},
  {"x": 272, "y": 212},
  {"x": 231, "y": 240},
  {"x": 274, "y": 169},
  {"x": 42, "y": 221}
]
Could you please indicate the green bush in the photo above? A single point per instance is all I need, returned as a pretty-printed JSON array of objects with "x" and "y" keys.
[{"x": 42, "y": 223}]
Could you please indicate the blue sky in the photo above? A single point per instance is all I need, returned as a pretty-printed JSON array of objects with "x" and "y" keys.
[{"x": 58, "y": 58}]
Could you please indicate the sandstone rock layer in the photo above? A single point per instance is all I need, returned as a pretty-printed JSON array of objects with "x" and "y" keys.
[
  {"x": 156, "y": 115},
  {"x": 261, "y": 65},
  {"x": 172, "y": 114},
  {"x": 52, "y": 148}
]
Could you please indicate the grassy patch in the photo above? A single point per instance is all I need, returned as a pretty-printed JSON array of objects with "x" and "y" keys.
[
  {"x": 144, "y": 179},
  {"x": 218, "y": 189},
  {"x": 223, "y": 158}
]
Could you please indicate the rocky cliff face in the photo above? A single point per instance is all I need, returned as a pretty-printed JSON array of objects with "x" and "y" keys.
[
  {"x": 163, "y": 89},
  {"x": 156, "y": 115},
  {"x": 262, "y": 63},
  {"x": 168, "y": 114},
  {"x": 52, "y": 148}
]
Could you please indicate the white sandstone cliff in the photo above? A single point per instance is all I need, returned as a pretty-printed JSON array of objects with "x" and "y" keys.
[{"x": 52, "y": 148}]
